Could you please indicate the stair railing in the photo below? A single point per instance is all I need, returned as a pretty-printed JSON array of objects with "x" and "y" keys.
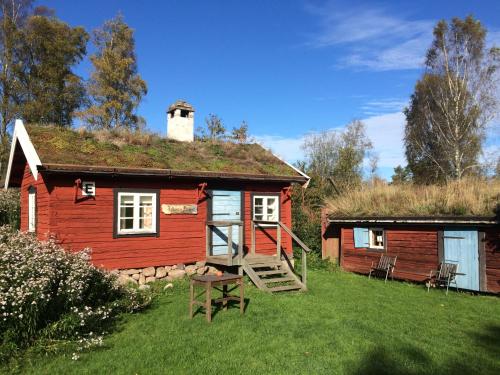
[
  {"x": 211, "y": 225},
  {"x": 279, "y": 227}
]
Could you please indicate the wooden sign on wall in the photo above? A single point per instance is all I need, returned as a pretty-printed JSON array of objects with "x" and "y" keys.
[{"x": 186, "y": 209}]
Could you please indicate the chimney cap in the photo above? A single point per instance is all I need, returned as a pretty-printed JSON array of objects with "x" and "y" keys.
[{"x": 181, "y": 104}]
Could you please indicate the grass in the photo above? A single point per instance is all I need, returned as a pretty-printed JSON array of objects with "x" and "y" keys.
[
  {"x": 469, "y": 197},
  {"x": 345, "y": 324},
  {"x": 122, "y": 148}
]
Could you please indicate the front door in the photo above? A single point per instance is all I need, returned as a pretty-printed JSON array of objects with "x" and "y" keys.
[
  {"x": 226, "y": 206},
  {"x": 461, "y": 246}
]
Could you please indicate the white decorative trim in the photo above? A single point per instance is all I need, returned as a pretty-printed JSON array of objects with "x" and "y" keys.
[
  {"x": 20, "y": 134},
  {"x": 305, "y": 184}
]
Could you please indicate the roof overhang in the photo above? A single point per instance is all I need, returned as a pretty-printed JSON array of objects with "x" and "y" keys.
[
  {"x": 165, "y": 173},
  {"x": 21, "y": 135},
  {"x": 455, "y": 220}
]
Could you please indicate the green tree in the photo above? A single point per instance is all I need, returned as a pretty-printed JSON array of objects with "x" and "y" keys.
[
  {"x": 452, "y": 103},
  {"x": 12, "y": 16},
  {"x": 402, "y": 175},
  {"x": 335, "y": 159},
  {"x": 240, "y": 134},
  {"x": 51, "y": 92},
  {"x": 115, "y": 87},
  {"x": 215, "y": 128}
]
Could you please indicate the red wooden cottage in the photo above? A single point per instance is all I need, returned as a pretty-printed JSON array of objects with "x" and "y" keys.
[
  {"x": 158, "y": 201},
  {"x": 420, "y": 244}
]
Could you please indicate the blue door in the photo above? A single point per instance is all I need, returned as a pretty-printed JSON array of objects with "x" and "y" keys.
[
  {"x": 226, "y": 206},
  {"x": 460, "y": 246}
]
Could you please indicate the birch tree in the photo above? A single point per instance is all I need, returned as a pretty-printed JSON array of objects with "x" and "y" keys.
[{"x": 453, "y": 103}]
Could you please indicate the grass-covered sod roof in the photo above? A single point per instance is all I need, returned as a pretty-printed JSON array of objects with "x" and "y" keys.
[
  {"x": 124, "y": 149},
  {"x": 470, "y": 197}
]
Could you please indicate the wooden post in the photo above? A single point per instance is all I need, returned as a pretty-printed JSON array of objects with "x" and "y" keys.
[
  {"x": 304, "y": 268},
  {"x": 208, "y": 303},
  {"x": 191, "y": 299},
  {"x": 240, "y": 243},
  {"x": 253, "y": 237},
  {"x": 230, "y": 245},
  {"x": 278, "y": 241},
  {"x": 208, "y": 240}
]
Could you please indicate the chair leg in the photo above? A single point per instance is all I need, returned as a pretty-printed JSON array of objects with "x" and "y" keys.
[
  {"x": 370, "y": 275},
  {"x": 386, "y": 274}
]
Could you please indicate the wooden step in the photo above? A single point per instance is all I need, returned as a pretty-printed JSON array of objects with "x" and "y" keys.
[
  {"x": 283, "y": 288},
  {"x": 278, "y": 280},
  {"x": 265, "y": 265},
  {"x": 271, "y": 272}
]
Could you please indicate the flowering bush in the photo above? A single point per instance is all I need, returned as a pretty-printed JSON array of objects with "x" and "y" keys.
[
  {"x": 10, "y": 207},
  {"x": 47, "y": 293}
]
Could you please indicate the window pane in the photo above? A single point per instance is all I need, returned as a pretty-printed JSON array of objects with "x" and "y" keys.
[
  {"x": 146, "y": 217},
  {"x": 126, "y": 224},
  {"x": 258, "y": 201},
  {"x": 127, "y": 212},
  {"x": 127, "y": 200},
  {"x": 271, "y": 201},
  {"x": 259, "y": 217},
  {"x": 258, "y": 210},
  {"x": 146, "y": 200}
]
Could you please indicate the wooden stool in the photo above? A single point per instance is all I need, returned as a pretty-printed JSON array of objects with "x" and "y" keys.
[{"x": 211, "y": 281}]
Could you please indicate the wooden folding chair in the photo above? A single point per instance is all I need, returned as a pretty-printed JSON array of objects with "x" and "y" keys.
[
  {"x": 444, "y": 276},
  {"x": 385, "y": 265}
]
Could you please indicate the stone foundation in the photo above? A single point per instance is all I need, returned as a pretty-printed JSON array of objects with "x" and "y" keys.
[{"x": 146, "y": 275}]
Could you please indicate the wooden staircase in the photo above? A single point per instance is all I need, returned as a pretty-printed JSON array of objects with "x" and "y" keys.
[{"x": 270, "y": 274}]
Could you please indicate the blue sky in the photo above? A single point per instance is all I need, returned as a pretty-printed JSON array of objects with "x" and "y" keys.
[{"x": 288, "y": 68}]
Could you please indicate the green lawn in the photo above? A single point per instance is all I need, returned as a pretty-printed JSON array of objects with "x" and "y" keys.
[{"x": 345, "y": 324}]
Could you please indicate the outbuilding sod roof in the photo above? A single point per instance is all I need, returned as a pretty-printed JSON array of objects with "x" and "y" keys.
[
  {"x": 472, "y": 198},
  {"x": 62, "y": 146}
]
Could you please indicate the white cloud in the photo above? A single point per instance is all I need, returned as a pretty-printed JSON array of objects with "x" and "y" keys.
[
  {"x": 382, "y": 106},
  {"x": 385, "y": 132},
  {"x": 374, "y": 40}
]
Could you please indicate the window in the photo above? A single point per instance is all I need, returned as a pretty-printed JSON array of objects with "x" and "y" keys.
[
  {"x": 136, "y": 213},
  {"x": 376, "y": 238},
  {"x": 266, "y": 207},
  {"x": 31, "y": 209},
  {"x": 372, "y": 238}
]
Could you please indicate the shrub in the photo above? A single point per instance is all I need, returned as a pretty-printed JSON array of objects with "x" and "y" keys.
[
  {"x": 10, "y": 207},
  {"x": 47, "y": 293}
]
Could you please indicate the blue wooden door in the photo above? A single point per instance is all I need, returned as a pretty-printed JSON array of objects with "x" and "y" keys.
[
  {"x": 461, "y": 246},
  {"x": 226, "y": 206}
]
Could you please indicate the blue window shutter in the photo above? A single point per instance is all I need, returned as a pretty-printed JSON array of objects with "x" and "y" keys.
[{"x": 361, "y": 238}]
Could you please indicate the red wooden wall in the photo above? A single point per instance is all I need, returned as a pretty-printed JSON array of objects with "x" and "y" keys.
[
  {"x": 416, "y": 249},
  {"x": 492, "y": 250},
  {"x": 89, "y": 222}
]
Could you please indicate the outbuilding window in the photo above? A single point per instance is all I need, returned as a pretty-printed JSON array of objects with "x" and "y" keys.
[
  {"x": 32, "y": 209},
  {"x": 372, "y": 238},
  {"x": 137, "y": 213},
  {"x": 266, "y": 207},
  {"x": 376, "y": 238}
]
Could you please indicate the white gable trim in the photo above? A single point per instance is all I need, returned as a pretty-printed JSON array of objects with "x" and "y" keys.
[
  {"x": 21, "y": 135},
  {"x": 305, "y": 184}
]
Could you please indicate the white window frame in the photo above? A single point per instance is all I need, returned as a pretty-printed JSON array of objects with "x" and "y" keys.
[
  {"x": 136, "y": 196},
  {"x": 32, "y": 209},
  {"x": 265, "y": 206},
  {"x": 371, "y": 236}
]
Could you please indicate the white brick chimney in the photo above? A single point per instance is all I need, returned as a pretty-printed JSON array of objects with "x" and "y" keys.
[{"x": 180, "y": 121}]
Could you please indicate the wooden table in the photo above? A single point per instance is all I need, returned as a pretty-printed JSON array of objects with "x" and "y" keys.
[{"x": 212, "y": 281}]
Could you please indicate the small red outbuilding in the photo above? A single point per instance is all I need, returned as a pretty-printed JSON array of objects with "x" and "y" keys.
[{"x": 420, "y": 244}]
